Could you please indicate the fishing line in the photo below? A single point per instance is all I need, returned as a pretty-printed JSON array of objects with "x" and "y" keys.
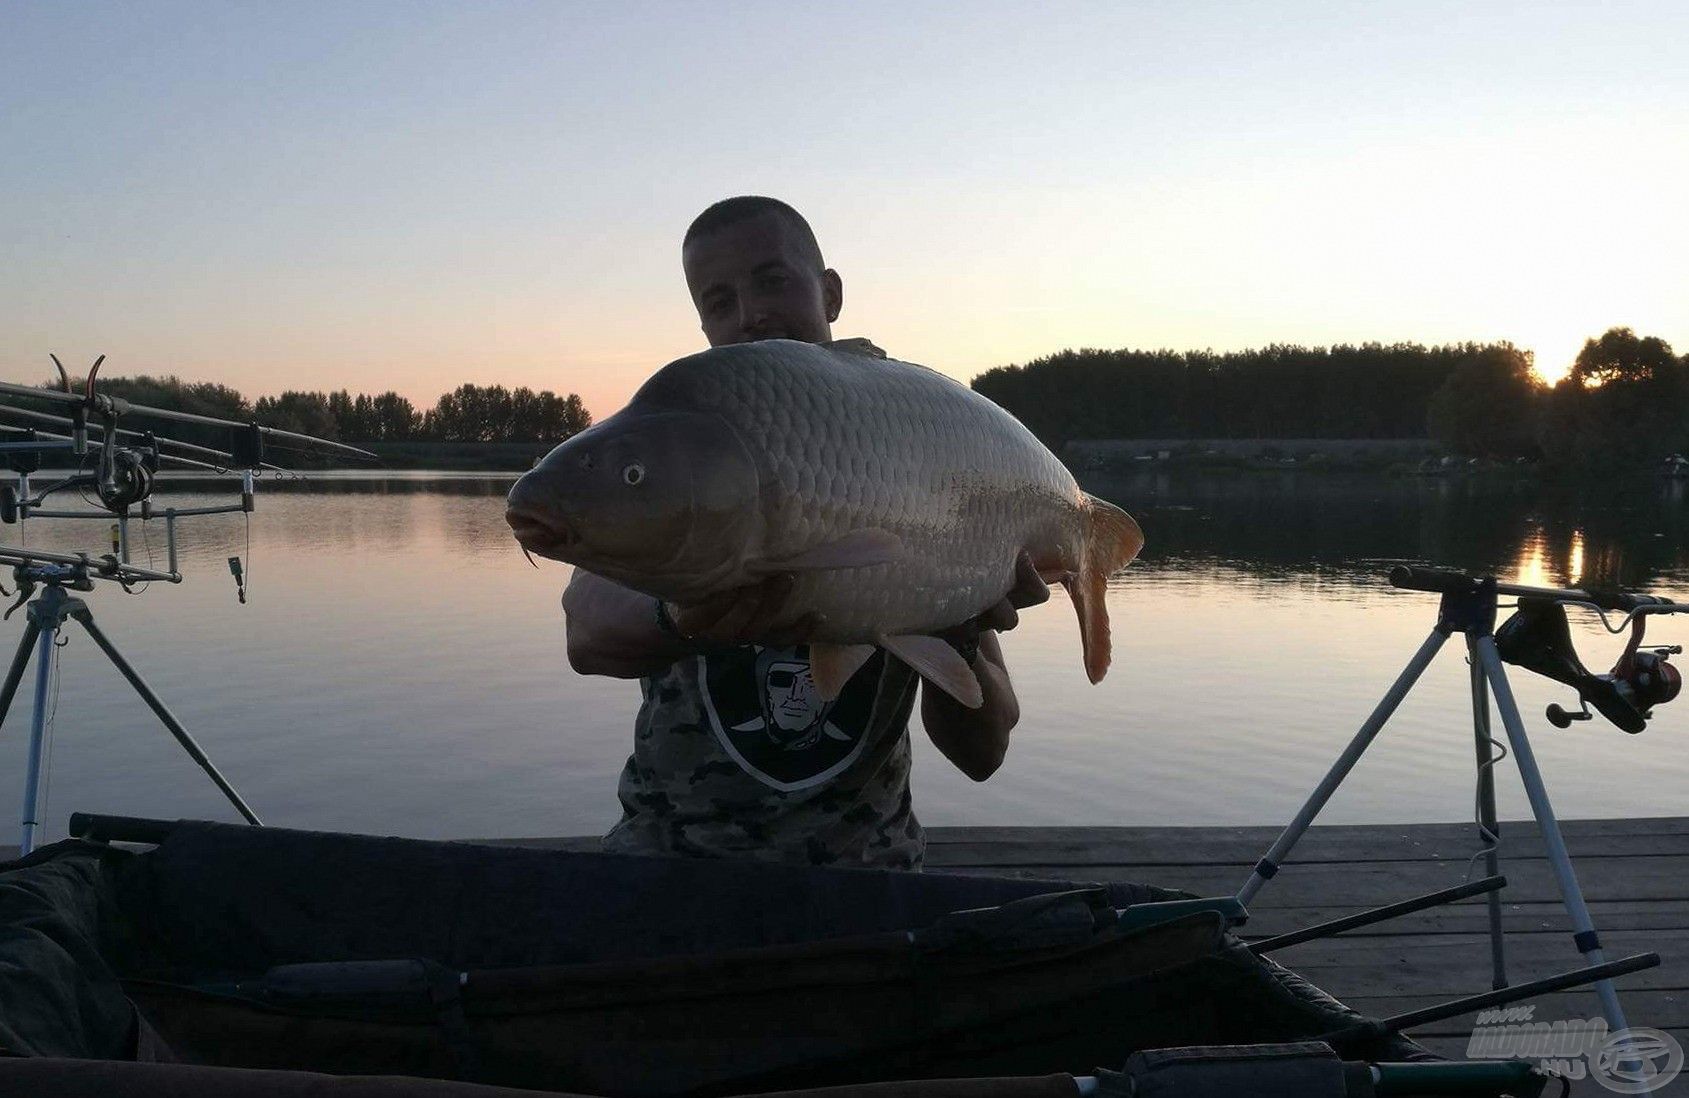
[
  {"x": 146, "y": 543},
  {"x": 1490, "y": 837}
]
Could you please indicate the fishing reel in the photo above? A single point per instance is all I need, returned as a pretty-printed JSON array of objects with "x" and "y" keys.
[
  {"x": 126, "y": 477},
  {"x": 1538, "y": 638}
]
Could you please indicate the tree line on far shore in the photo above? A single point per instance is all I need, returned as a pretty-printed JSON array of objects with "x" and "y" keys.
[
  {"x": 469, "y": 413},
  {"x": 1626, "y": 399}
]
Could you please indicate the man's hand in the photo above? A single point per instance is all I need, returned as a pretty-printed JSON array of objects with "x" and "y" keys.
[
  {"x": 746, "y": 615},
  {"x": 1029, "y": 590},
  {"x": 977, "y": 739}
]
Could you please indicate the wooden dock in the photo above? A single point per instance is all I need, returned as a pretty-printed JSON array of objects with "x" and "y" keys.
[{"x": 1634, "y": 873}]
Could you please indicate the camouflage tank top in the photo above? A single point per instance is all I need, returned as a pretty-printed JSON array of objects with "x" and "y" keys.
[{"x": 735, "y": 755}]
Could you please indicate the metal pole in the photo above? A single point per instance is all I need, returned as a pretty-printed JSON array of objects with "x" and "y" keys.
[
  {"x": 163, "y": 711},
  {"x": 1268, "y": 866},
  {"x": 38, "y": 721},
  {"x": 20, "y": 660},
  {"x": 1584, "y": 936},
  {"x": 1489, "y": 831},
  {"x": 1378, "y": 915}
]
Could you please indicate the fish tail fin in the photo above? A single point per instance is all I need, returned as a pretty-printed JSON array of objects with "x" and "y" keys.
[{"x": 1112, "y": 540}]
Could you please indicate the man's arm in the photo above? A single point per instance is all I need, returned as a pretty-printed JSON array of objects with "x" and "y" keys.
[
  {"x": 977, "y": 739},
  {"x": 974, "y": 739},
  {"x": 612, "y": 630}
]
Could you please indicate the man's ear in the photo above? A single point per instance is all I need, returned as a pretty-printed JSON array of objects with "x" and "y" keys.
[{"x": 832, "y": 293}]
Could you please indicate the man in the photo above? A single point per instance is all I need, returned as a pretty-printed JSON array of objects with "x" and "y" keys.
[{"x": 735, "y": 754}]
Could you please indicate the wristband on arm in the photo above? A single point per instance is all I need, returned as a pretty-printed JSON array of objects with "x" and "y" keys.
[
  {"x": 967, "y": 649},
  {"x": 669, "y": 629}
]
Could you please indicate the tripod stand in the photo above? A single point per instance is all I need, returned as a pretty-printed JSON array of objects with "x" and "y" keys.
[
  {"x": 46, "y": 615},
  {"x": 1469, "y": 607}
]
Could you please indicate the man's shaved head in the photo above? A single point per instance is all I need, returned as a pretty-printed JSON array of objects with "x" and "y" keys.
[
  {"x": 733, "y": 211},
  {"x": 754, "y": 271}
]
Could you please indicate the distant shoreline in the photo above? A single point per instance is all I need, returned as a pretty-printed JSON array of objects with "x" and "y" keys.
[{"x": 1388, "y": 456}]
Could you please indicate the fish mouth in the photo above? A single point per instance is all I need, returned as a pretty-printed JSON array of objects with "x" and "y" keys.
[{"x": 547, "y": 537}]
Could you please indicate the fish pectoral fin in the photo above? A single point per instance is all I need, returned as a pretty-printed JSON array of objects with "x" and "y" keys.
[
  {"x": 832, "y": 665},
  {"x": 857, "y": 549},
  {"x": 940, "y": 664}
]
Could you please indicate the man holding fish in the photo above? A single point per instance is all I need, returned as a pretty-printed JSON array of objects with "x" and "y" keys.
[{"x": 775, "y": 711}]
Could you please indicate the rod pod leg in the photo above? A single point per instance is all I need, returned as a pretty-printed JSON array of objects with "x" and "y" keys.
[
  {"x": 1489, "y": 831},
  {"x": 162, "y": 711},
  {"x": 43, "y": 638},
  {"x": 1584, "y": 936},
  {"x": 1269, "y": 864}
]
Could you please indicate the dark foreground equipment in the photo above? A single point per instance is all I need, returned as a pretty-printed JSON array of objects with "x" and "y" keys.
[{"x": 283, "y": 952}]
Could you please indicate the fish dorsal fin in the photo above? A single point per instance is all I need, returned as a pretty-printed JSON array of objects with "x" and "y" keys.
[
  {"x": 1112, "y": 539},
  {"x": 832, "y": 665},
  {"x": 856, "y": 345},
  {"x": 857, "y": 549},
  {"x": 938, "y": 663}
]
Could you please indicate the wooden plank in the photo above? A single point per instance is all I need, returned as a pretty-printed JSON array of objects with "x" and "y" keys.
[
  {"x": 1355, "y": 886},
  {"x": 1263, "y": 836},
  {"x": 1518, "y": 844},
  {"x": 1472, "y": 917},
  {"x": 1243, "y": 845}
]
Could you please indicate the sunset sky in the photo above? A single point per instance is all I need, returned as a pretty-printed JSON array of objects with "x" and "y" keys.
[{"x": 411, "y": 195}]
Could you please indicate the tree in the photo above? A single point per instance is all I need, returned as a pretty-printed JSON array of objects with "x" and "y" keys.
[
  {"x": 1623, "y": 408},
  {"x": 1488, "y": 405},
  {"x": 305, "y": 413},
  {"x": 393, "y": 418},
  {"x": 475, "y": 413},
  {"x": 1372, "y": 390},
  {"x": 1619, "y": 356}
]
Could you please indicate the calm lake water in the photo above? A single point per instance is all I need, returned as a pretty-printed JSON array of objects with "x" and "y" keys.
[{"x": 399, "y": 666}]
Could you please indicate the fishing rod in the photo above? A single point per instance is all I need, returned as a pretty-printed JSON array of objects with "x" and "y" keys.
[
  {"x": 226, "y": 459},
  {"x": 32, "y": 433},
  {"x": 110, "y": 407}
]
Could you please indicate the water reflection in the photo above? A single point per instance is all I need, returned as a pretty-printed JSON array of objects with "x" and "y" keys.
[
  {"x": 399, "y": 667},
  {"x": 1290, "y": 526}
]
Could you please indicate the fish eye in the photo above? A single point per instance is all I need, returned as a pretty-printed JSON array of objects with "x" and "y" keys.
[{"x": 633, "y": 473}]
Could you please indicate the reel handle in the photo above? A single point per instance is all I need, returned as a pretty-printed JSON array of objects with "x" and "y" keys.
[{"x": 1561, "y": 718}]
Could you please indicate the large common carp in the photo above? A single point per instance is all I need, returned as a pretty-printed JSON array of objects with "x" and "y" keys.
[{"x": 897, "y": 497}]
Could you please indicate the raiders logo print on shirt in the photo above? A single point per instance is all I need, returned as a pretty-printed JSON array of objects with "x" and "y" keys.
[{"x": 767, "y": 715}]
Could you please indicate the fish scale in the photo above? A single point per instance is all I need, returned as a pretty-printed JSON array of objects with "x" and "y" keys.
[{"x": 896, "y": 497}]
